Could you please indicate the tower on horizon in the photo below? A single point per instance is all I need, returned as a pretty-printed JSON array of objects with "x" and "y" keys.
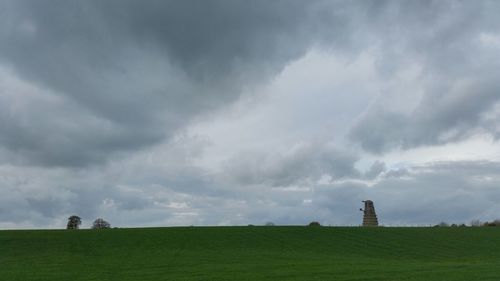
[{"x": 369, "y": 215}]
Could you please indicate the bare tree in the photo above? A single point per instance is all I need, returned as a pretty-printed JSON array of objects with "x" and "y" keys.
[
  {"x": 100, "y": 224},
  {"x": 443, "y": 224},
  {"x": 74, "y": 222},
  {"x": 476, "y": 223}
]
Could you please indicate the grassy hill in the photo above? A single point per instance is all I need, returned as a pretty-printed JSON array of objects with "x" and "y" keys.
[{"x": 252, "y": 253}]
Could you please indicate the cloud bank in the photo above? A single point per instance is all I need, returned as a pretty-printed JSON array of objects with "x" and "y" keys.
[{"x": 236, "y": 112}]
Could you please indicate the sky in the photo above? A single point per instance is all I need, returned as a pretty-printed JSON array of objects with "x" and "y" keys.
[{"x": 232, "y": 112}]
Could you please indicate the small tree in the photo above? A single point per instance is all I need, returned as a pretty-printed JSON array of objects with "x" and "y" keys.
[
  {"x": 100, "y": 224},
  {"x": 443, "y": 224},
  {"x": 492, "y": 223},
  {"x": 269, "y": 223},
  {"x": 74, "y": 222},
  {"x": 314, "y": 223},
  {"x": 476, "y": 223}
]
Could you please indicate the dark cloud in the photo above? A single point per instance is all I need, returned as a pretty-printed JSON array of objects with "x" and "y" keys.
[
  {"x": 210, "y": 39},
  {"x": 456, "y": 192},
  {"x": 306, "y": 162},
  {"x": 376, "y": 169},
  {"x": 340, "y": 202},
  {"x": 119, "y": 83},
  {"x": 445, "y": 115},
  {"x": 451, "y": 42},
  {"x": 446, "y": 191},
  {"x": 123, "y": 75}
]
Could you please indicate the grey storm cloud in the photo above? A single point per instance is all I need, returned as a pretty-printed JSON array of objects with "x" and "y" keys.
[
  {"x": 453, "y": 43},
  {"x": 461, "y": 192},
  {"x": 101, "y": 104},
  {"x": 303, "y": 163},
  {"x": 123, "y": 75},
  {"x": 448, "y": 114},
  {"x": 119, "y": 76},
  {"x": 376, "y": 169},
  {"x": 456, "y": 192}
]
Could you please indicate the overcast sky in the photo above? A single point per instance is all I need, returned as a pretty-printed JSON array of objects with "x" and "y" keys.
[{"x": 227, "y": 112}]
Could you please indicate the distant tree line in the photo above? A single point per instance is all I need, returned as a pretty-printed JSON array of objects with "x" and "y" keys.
[
  {"x": 74, "y": 222},
  {"x": 491, "y": 223},
  {"x": 313, "y": 223},
  {"x": 473, "y": 223}
]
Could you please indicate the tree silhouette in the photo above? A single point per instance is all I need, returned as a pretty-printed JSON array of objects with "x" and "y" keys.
[
  {"x": 100, "y": 224},
  {"x": 74, "y": 222}
]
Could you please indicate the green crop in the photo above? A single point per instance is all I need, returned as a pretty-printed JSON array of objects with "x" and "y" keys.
[{"x": 252, "y": 253}]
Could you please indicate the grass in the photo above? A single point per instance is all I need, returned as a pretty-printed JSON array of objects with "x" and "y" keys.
[{"x": 252, "y": 253}]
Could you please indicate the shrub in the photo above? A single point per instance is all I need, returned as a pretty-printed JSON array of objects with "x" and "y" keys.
[
  {"x": 442, "y": 224},
  {"x": 314, "y": 223},
  {"x": 476, "y": 223},
  {"x": 493, "y": 223},
  {"x": 100, "y": 224}
]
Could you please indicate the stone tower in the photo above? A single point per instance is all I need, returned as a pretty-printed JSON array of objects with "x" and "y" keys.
[{"x": 369, "y": 215}]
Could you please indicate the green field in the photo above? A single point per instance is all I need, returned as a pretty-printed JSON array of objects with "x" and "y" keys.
[{"x": 252, "y": 253}]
